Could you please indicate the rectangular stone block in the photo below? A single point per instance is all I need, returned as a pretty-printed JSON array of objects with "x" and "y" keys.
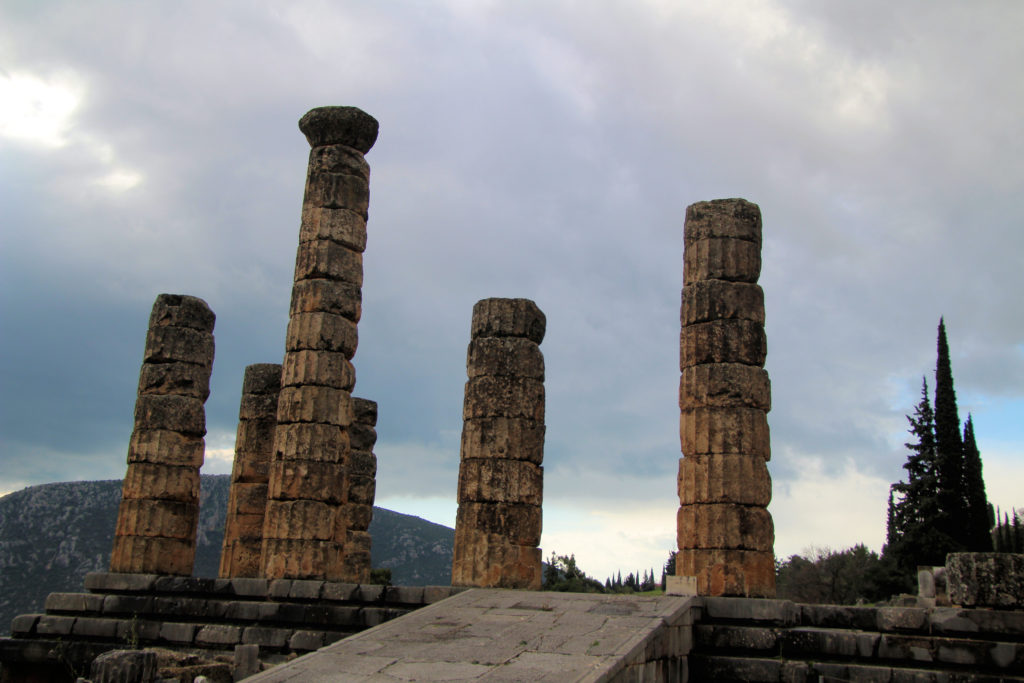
[
  {"x": 244, "y": 526},
  {"x": 179, "y": 379},
  {"x": 355, "y": 516},
  {"x": 706, "y": 431},
  {"x": 73, "y": 602},
  {"x": 520, "y": 524},
  {"x": 164, "y": 518},
  {"x": 361, "y": 490},
  {"x": 721, "y": 259},
  {"x": 707, "y": 300},
  {"x": 496, "y": 317},
  {"x": 103, "y": 582},
  {"x": 248, "y": 499},
  {"x": 338, "y": 191},
  {"x": 494, "y": 480},
  {"x": 299, "y": 519},
  {"x": 327, "y": 260},
  {"x": 153, "y": 555},
  {"x": 174, "y": 632},
  {"x": 248, "y": 471},
  {"x": 307, "y": 480},
  {"x": 264, "y": 636},
  {"x": 257, "y": 406},
  {"x": 986, "y": 579},
  {"x": 338, "y": 591},
  {"x": 362, "y": 463},
  {"x": 148, "y": 480},
  {"x": 218, "y": 635},
  {"x": 724, "y": 525},
  {"x": 503, "y": 437},
  {"x": 516, "y": 397},
  {"x": 722, "y": 341},
  {"x": 255, "y": 438},
  {"x": 299, "y": 559},
  {"x": 504, "y": 357},
  {"x": 355, "y": 566},
  {"x": 343, "y": 226},
  {"x": 240, "y": 558},
  {"x": 166, "y": 447},
  {"x": 362, "y": 437},
  {"x": 178, "y": 345},
  {"x": 364, "y": 411},
  {"x": 724, "y": 478},
  {"x": 338, "y": 159},
  {"x": 490, "y": 561},
  {"x": 732, "y": 218},
  {"x": 322, "y": 368},
  {"x": 733, "y": 573},
  {"x": 321, "y": 332},
  {"x": 322, "y": 405},
  {"x": 725, "y": 385},
  {"x": 311, "y": 441},
  {"x": 327, "y": 296},
  {"x": 174, "y": 413}
]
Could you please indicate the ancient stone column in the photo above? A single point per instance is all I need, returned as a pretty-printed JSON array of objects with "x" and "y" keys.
[
  {"x": 360, "y": 489},
  {"x": 725, "y": 533},
  {"x": 254, "y": 447},
  {"x": 156, "y": 523},
  {"x": 498, "y": 524},
  {"x": 306, "y": 531}
]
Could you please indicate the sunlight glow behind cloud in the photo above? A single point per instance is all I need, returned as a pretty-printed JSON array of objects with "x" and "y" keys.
[{"x": 36, "y": 110}]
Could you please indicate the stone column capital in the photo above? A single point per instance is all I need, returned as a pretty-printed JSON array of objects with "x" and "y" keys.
[{"x": 348, "y": 126}]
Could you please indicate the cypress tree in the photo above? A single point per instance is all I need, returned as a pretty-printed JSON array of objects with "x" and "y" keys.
[
  {"x": 975, "y": 500},
  {"x": 952, "y": 518}
]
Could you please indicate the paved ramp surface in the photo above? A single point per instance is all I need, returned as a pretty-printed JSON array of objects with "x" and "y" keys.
[{"x": 507, "y": 635}]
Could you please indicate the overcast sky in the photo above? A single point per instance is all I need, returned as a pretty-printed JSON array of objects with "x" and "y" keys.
[{"x": 527, "y": 149}]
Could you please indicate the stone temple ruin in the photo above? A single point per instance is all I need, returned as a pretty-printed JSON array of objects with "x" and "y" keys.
[{"x": 295, "y": 562}]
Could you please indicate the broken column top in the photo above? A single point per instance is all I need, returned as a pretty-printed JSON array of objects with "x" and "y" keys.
[
  {"x": 181, "y": 310},
  {"x": 723, "y": 218},
  {"x": 349, "y": 126},
  {"x": 508, "y": 318},
  {"x": 262, "y": 378}
]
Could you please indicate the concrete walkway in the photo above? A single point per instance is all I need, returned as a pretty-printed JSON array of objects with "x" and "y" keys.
[{"x": 507, "y": 635}]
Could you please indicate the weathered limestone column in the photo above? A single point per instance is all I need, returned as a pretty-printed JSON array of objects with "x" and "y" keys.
[
  {"x": 305, "y": 531},
  {"x": 725, "y": 532},
  {"x": 254, "y": 447},
  {"x": 156, "y": 523},
  {"x": 498, "y": 525},
  {"x": 361, "y": 487}
]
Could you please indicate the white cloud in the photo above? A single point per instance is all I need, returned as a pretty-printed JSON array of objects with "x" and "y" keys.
[{"x": 38, "y": 110}]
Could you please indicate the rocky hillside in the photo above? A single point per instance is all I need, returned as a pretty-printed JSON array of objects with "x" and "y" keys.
[{"x": 52, "y": 535}]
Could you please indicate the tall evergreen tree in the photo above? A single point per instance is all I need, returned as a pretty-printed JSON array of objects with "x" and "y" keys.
[
  {"x": 949, "y": 447},
  {"x": 975, "y": 500}
]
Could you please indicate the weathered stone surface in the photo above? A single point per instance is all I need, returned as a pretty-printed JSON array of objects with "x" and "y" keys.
[
  {"x": 724, "y": 478},
  {"x": 322, "y": 332},
  {"x": 516, "y": 397},
  {"x": 722, "y": 259},
  {"x": 349, "y": 126},
  {"x": 338, "y": 159},
  {"x": 180, "y": 379},
  {"x": 364, "y": 411},
  {"x": 706, "y": 300},
  {"x": 246, "y": 525},
  {"x": 328, "y": 260},
  {"x": 725, "y": 385},
  {"x": 248, "y": 498},
  {"x": 307, "y": 480},
  {"x": 161, "y": 482},
  {"x": 494, "y": 480},
  {"x": 705, "y": 431},
  {"x": 299, "y": 520},
  {"x": 254, "y": 446},
  {"x": 124, "y": 666},
  {"x": 508, "y": 318},
  {"x": 338, "y": 191},
  {"x": 490, "y": 560},
  {"x": 327, "y": 296},
  {"x": 505, "y": 357},
  {"x": 166, "y": 447},
  {"x": 319, "y": 404},
  {"x": 355, "y": 516},
  {"x": 718, "y": 218},
  {"x": 362, "y": 463},
  {"x": 300, "y": 558},
  {"x": 149, "y": 555},
  {"x": 362, "y": 437},
  {"x": 503, "y": 437},
  {"x": 261, "y": 378},
  {"x": 986, "y": 579},
  {"x": 361, "y": 489},
  {"x": 724, "y": 525},
  {"x": 164, "y": 518},
  {"x": 738, "y": 573},
  {"x": 723, "y": 341},
  {"x": 240, "y": 558},
  {"x": 519, "y": 523},
  {"x": 322, "y": 368},
  {"x": 257, "y": 406},
  {"x": 311, "y": 441},
  {"x": 181, "y": 310},
  {"x": 181, "y": 414},
  {"x": 178, "y": 345}
]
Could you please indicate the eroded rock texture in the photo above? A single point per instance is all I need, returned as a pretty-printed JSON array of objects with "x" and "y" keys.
[
  {"x": 250, "y": 473},
  {"x": 307, "y": 531},
  {"x": 724, "y": 531},
  {"x": 501, "y": 481},
  {"x": 156, "y": 523}
]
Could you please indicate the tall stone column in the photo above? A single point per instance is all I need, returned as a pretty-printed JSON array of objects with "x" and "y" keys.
[
  {"x": 305, "y": 531},
  {"x": 156, "y": 523},
  {"x": 254, "y": 447},
  {"x": 361, "y": 487},
  {"x": 498, "y": 524},
  {"x": 724, "y": 530}
]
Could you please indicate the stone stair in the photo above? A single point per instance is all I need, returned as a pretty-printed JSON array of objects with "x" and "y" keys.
[{"x": 777, "y": 640}]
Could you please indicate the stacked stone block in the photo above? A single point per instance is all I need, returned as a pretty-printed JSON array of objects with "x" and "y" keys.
[
  {"x": 254, "y": 447},
  {"x": 498, "y": 524},
  {"x": 305, "y": 533},
  {"x": 361, "y": 487},
  {"x": 156, "y": 523},
  {"x": 724, "y": 530}
]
